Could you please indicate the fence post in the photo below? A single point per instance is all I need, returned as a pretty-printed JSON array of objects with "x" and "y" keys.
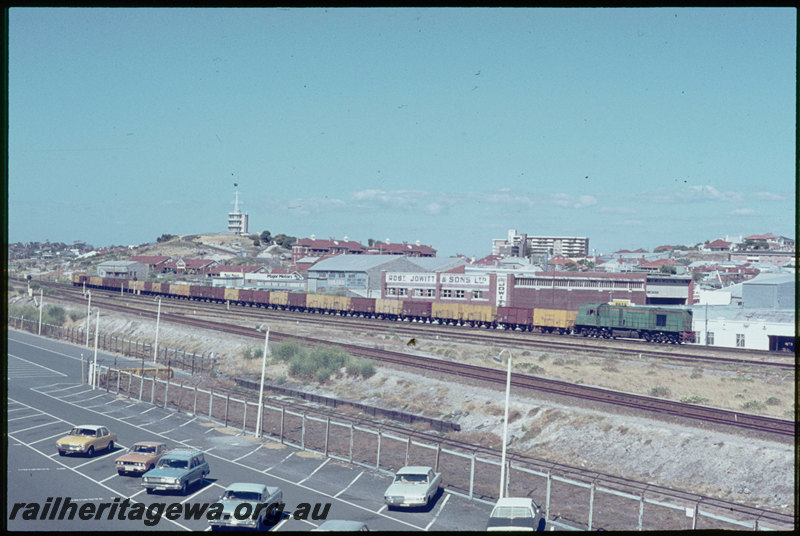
[
  {"x": 641, "y": 511},
  {"x": 283, "y": 416},
  {"x": 694, "y": 517},
  {"x": 244, "y": 415},
  {"x": 351, "y": 442},
  {"x": 153, "y": 389},
  {"x": 141, "y": 385},
  {"x": 471, "y": 475},
  {"x": 130, "y": 383},
  {"x": 227, "y": 406},
  {"x": 327, "y": 432},
  {"x": 591, "y": 504},
  {"x": 408, "y": 448},
  {"x": 547, "y": 498},
  {"x": 210, "y": 403},
  {"x": 378, "y": 460},
  {"x": 303, "y": 432},
  {"x": 438, "y": 453},
  {"x": 194, "y": 411}
]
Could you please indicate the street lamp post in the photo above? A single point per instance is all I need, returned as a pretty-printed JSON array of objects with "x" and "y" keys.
[
  {"x": 499, "y": 359},
  {"x": 263, "y": 372},
  {"x": 88, "y": 315},
  {"x": 96, "y": 334},
  {"x": 155, "y": 344},
  {"x": 41, "y": 307}
]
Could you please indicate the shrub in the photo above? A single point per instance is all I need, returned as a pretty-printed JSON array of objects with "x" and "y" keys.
[
  {"x": 287, "y": 350},
  {"x": 772, "y": 401},
  {"x": 752, "y": 404},
  {"x": 558, "y": 361},
  {"x": 694, "y": 399},
  {"x": 367, "y": 369},
  {"x": 697, "y": 372},
  {"x": 660, "y": 391}
]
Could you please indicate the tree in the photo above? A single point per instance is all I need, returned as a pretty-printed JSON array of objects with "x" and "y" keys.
[
  {"x": 284, "y": 240},
  {"x": 667, "y": 269},
  {"x": 266, "y": 237},
  {"x": 165, "y": 238},
  {"x": 370, "y": 242}
]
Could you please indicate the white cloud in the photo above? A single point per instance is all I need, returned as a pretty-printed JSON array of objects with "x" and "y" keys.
[
  {"x": 768, "y": 196},
  {"x": 569, "y": 201},
  {"x": 744, "y": 212},
  {"x": 690, "y": 194}
]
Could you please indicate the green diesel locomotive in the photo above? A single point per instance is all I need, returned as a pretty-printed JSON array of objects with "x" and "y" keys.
[{"x": 651, "y": 323}]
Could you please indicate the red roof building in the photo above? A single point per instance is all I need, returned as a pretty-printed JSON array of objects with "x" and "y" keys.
[
  {"x": 655, "y": 266},
  {"x": 189, "y": 266},
  {"x": 409, "y": 250},
  {"x": 220, "y": 269},
  {"x": 718, "y": 245},
  {"x": 154, "y": 262},
  {"x": 311, "y": 247}
]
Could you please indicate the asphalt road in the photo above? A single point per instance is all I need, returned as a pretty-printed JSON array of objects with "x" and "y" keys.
[{"x": 46, "y": 398}]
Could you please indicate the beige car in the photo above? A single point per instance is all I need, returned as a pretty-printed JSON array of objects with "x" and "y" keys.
[
  {"x": 86, "y": 439},
  {"x": 141, "y": 457}
]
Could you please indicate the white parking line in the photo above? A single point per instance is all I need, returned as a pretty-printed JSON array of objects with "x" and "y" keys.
[
  {"x": 20, "y": 418},
  {"x": 41, "y": 389},
  {"x": 315, "y": 470},
  {"x": 113, "y": 491},
  {"x": 109, "y": 478},
  {"x": 46, "y": 438},
  {"x": 439, "y": 511},
  {"x": 187, "y": 422},
  {"x": 94, "y": 459},
  {"x": 350, "y": 484},
  {"x": 222, "y": 457},
  {"x": 38, "y": 365},
  {"x": 248, "y": 454},
  {"x": 280, "y": 462},
  {"x": 37, "y": 426}
]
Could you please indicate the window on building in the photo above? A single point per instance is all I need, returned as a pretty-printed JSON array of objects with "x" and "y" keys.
[
  {"x": 710, "y": 337},
  {"x": 740, "y": 340},
  {"x": 477, "y": 294},
  {"x": 446, "y": 293},
  {"x": 402, "y": 292},
  {"x": 429, "y": 293},
  {"x": 459, "y": 294}
]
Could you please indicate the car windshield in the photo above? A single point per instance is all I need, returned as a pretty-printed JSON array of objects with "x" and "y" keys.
[
  {"x": 143, "y": 449},
  {"x": 88, "y": 432},
  {"x": 511, "y": 512},
  {"x": 234, "y": 495},
  {"x": 411, "y": 479},
  {"x": 175, "y": 464}
]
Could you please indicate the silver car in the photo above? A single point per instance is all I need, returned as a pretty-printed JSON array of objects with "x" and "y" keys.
[
  {"x": 414, "y": 485},
  {"x": 265, "y": 504}
]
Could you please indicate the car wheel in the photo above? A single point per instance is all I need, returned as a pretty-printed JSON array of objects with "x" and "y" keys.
[
  {"x": 90, "y": 452},
  {"x": 183, "y": 488},
  {"x": 121, "y": 473},
  {"x": 149, "y": 491},
  {"x": 150, "y": 467},
  {"x": 61, "y": 453},
  {"x": 110, "y": 446}
]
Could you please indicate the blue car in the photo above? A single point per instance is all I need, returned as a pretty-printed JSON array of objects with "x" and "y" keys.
[{"x": 177, "y": 471}]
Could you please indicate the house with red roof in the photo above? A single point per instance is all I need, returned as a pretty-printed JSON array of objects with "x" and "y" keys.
[
  {"x": 189, "y": 266},
  {"x": 409, "y": 250},
  {"x": 718, "y": 245},
  {"x": 656, "y": 265},
  {"x": 312, "y": 247},
  {"x": 155, "y": 263},
  {"x": 229, "y": 270}
]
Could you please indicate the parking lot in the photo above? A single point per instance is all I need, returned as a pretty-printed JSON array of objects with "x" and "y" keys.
[{"x": 46, "y": 399}]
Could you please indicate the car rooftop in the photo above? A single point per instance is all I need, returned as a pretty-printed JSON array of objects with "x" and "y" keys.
[
  {"x": 182, "y": 453},
  {"x": 413, "y": 469},
  {"x": 246, "y": 486},
  {"x": 150, "y": 443},
  {"x": 514, "y": 501},
  {"x": 89, "y": 426}
]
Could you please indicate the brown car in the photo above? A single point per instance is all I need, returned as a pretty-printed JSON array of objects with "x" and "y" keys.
[{"x": 141, "y": 457}]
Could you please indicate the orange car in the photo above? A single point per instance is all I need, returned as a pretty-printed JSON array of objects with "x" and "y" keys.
[{"x": 141, "y": 457}]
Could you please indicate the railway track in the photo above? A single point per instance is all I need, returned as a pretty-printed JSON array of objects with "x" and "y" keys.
[
  {"x": 521, "y": 340},
  {"x": 741, "y": 420}
]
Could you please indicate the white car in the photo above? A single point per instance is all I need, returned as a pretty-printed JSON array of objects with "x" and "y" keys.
[
  {"x": 515, "y": 514},
  {"x": 414, "y": 485}
]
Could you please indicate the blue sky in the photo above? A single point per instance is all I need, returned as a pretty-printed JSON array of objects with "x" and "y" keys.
[{"x": 634, "y": 127}]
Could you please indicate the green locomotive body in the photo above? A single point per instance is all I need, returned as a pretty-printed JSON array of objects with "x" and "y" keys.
[{"x": 651, "y": 323}]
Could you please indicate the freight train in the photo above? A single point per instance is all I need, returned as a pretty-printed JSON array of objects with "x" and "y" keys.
[{"x": 650, "y": 323}]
